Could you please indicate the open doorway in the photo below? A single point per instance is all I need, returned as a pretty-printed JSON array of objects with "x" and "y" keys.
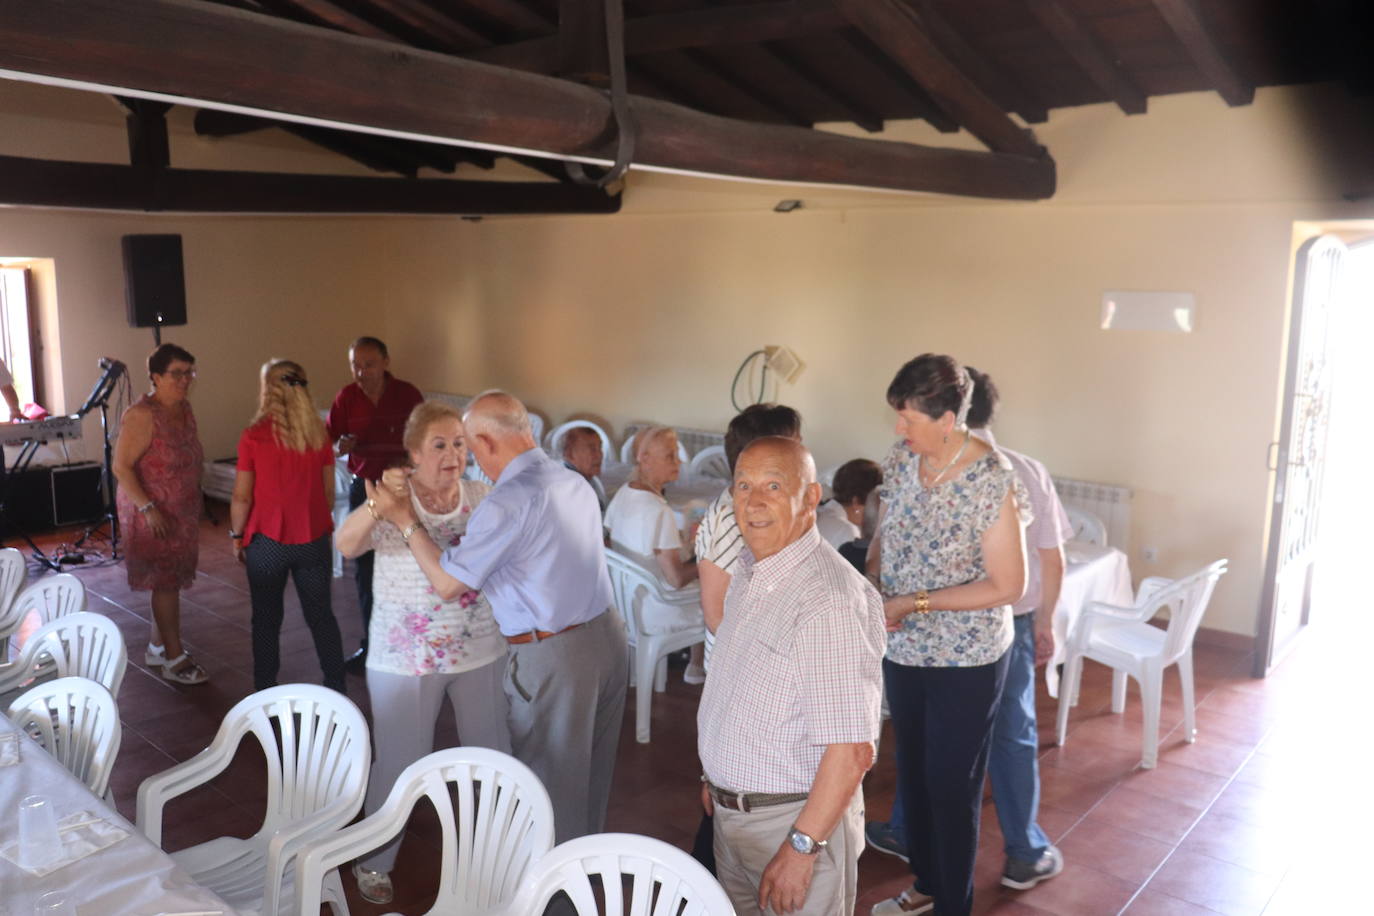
[
  {"x": 1322, "y": 498},
  {"x": 1347, "y": 505}
]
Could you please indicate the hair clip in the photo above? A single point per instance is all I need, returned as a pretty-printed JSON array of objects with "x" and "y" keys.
[{"x": 295, "y": 381}]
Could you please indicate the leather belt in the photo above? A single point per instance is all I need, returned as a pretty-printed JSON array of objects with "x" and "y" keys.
[
  {"x": 537, "y": 635},
  {"x": 747, "y": 801}
]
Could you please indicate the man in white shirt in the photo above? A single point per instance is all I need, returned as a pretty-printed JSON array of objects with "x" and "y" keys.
[{"x": 791, "y": 708}]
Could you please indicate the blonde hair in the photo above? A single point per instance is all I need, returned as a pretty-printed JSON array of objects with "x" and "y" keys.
[
  {"x": 285, "y": 402},
  {"x": 425, "y": 415},
  {"x": 645, "y": 438}
]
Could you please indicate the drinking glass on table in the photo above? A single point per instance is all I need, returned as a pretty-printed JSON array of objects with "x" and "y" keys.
[
  {"x": 39, "y": 841},
  {"x": 54, "y": 903}
]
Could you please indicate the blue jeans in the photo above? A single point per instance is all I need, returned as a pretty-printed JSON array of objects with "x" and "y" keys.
[{"x": 1013, "y": 766}]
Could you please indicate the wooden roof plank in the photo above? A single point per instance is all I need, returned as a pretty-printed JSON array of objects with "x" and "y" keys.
[
  {"x": 194, "y": 51},
  {"x": 855, "y": 110},
  {"x": 425, "y": 19},
  {"x": 1095, "y": 60},
  {"x": 332, "y": 14},
  {"x": 1017, "y": 96},
  {"x": 1185, "y": 18},
  {"x": 894, "y": 28},
  {"x": 104, "y": 186}
]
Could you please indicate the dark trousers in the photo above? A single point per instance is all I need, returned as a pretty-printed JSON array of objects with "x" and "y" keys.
[
  {"x": 362, "y": 565},
  {"x": 311, "y": 566},
  {"x": 942, "y": 719}
]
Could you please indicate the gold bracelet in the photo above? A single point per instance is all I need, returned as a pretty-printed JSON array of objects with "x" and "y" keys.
[
  {"x": 372, "y": 510},
  {"x": 922, "y": 599}
]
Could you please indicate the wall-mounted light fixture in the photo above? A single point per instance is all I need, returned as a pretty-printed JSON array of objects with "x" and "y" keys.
[{"x": 787, "y": 206}]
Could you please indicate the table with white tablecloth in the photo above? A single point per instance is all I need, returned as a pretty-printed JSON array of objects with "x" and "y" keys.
[
  {"x": 1091, "y": 573},
  {"x": 131, "y": 877}
]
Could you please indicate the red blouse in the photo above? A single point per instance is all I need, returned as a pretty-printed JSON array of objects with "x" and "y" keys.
[{"x": 288, "y": 488}]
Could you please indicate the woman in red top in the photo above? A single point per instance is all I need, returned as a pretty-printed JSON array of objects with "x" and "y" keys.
[{"x": 280, "y": 520}]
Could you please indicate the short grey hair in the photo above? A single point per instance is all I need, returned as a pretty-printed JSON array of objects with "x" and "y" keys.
[{"x": 510, "y": 419}]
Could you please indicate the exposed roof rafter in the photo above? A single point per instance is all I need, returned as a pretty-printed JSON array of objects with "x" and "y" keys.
[{"x": 1095, "y": 60}]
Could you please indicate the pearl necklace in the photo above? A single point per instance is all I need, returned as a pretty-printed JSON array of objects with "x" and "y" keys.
[{"x": 940, "y": 472}]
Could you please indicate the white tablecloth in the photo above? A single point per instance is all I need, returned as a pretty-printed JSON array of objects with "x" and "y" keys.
[
  {"x": 130, "y": 878},
  {"x": 1091, "y": 573}
]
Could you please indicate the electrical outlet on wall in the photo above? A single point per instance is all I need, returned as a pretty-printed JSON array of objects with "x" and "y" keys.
[{"x": 1151, "y": 554}]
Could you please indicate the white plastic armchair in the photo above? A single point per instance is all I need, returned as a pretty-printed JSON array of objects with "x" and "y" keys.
[
  {"x": 710, "y": 462},
  {"x": 1124, "y": 640},
  {"x": 659, "y": 621},
  {"x": 12, "y": 573},
  {"x": 496, "y": 823},
  {"x": 49, "y": 597},
  {"x": 553, "y": 443},
  {"x": 316, "y": 745},
  {"x": 75, "y": 645},
  {"x": 76, "y": 720},
  {"x": 662, "y": 879},
  {"x": 1086, "y": 527}
]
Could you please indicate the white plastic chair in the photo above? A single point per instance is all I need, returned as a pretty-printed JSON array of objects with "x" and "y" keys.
[
  {"x": 75, "y": 645},
  {"x": 710, "y": 462},
  {"x": 553, "y": 443},
  {"x": 659, "y": 622},
  {"x": 497, "y": 826},
  {"x": 50, "y": 597},
  {"x": 1086, "y": 527},
  {"x": 13, "y": 570},
  {"x": 343, "y": 481},
  {"x": 1123, "y": 639},
  {"x": 663, "y": 879},
  {"x": 76, "y": 720},
  {"x": 318, "y": 754}
]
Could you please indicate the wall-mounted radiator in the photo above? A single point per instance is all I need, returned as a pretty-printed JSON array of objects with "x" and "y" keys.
[{"x": 1110, "y": 503}]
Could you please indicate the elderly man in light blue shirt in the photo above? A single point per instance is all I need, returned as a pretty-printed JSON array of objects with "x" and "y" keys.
[{"x": 534, "y": 547}]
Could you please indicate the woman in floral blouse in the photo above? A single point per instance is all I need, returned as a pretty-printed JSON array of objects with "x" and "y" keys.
[
  {"x": 950, "y": 561},
  {"x": 420, "y": 646}
]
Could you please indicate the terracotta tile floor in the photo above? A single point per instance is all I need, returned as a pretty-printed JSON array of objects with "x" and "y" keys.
[{"x": 1257, "y": 817}]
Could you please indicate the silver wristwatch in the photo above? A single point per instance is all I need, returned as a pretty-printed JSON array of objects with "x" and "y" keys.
[{"x": 803, "y": 843}]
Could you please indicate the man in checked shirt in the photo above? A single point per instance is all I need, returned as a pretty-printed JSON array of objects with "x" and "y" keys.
[{"x": 791, "y": 709}]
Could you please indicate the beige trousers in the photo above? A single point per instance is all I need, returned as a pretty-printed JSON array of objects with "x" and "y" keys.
[{"x": 746, "y": 842}]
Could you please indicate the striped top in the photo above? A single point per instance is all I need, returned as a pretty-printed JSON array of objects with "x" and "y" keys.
[{"x": 719, "y": 540}]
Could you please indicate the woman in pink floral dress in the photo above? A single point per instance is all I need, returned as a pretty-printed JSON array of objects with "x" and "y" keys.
[
  {"x": 157, "y": 462},
  {"x": 421, "y": 647}
]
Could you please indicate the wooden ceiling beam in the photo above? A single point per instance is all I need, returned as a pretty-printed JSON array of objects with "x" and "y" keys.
[
  {"x": 146, "y": 122},
  {"x": 863, "y": 53},
  {"x": 582, "y": 53},
  {"x": 1017, "y": 96},
  {"x": 427, "y": 20},
  {"x": 1185, "y": 18},
  {"x": 1095, "y": 60},
  {"x": 512, "y": 14},
  {"x": 194, "y": 51},
  {"x": 101, "y": 186},
  {"x": 745, "y": 24},
  {"x": 331, "y": 14},
  {"x": 854, "y": 109},
  {"x": 894, "y": 27}
]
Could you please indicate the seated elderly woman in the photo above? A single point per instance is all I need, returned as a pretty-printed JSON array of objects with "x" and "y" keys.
[
  {"x": 841, "y": 519},
  {"x": 639, "y": 520}
]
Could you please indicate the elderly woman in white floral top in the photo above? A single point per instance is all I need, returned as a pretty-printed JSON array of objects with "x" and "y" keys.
[
  {"x": 422, "y": 647},
  {"x": 950, "y": 560}
]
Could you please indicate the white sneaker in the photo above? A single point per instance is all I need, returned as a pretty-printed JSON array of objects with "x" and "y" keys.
[
  {"x": 694, "y": 674},
  {"x": 908, "y": 903}
]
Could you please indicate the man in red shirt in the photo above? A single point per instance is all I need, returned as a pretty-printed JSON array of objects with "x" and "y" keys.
[{"x": 367, "y": 421}]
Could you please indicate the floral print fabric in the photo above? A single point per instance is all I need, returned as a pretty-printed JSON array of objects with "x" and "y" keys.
[
  {"x": 414, "y": 631},
  {"x": 169, "y": 471},
  {"x": 931, "y": 539}
]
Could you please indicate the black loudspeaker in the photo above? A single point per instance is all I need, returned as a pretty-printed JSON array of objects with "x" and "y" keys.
[
  {"x": 77, "y": 494},
  {"x": 154, "y": 285}
]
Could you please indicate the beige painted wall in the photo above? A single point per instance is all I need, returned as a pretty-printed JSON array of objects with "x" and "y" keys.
[{"x": 647, "y": 314}]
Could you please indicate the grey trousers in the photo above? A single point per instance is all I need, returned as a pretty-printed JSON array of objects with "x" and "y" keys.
[
  {"x": 404, "y": 710},
  {"x": 567, "y": 701},
  {"x": 746, "y": 842}
]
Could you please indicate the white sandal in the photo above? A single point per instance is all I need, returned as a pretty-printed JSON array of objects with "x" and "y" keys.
[
  {"x": 189, "y": 674},
  {"x": 155, "y": 656}
]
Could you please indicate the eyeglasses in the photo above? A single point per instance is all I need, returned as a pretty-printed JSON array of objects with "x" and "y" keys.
[{"x": 181, "y": 375}]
